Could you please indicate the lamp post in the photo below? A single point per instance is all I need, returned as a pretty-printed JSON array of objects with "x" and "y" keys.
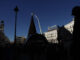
[{"x": 16, "y": 11}]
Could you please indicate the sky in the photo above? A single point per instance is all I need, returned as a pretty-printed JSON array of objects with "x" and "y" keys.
[{"x": 49, "y": 12}]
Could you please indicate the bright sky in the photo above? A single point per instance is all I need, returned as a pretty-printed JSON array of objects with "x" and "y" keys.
[{"x": 50, "y": 12}]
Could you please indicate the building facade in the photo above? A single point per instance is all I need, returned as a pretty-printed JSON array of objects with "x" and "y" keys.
[
  {"x": 20, "y": 40},
  {"x": 69, "y": 26},
  {"x": 52, "y": 33}
]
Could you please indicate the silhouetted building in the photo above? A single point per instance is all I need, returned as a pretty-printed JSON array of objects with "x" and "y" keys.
[
  {"x": 2, "y": 26},
  {"x": 4, "y": 41},
  {"x": 3, "y": 38},
  {"x": 64, "y": 36}
]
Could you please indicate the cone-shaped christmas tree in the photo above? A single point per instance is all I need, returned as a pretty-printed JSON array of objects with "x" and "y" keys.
[{"x": 32, "y": 28}]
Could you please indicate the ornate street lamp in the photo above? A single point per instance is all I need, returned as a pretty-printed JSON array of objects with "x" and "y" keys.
[{"x": 16, "y": 11}]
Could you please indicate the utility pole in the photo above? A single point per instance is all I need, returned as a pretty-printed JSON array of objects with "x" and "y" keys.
[{"x": 16, "y": 11}]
